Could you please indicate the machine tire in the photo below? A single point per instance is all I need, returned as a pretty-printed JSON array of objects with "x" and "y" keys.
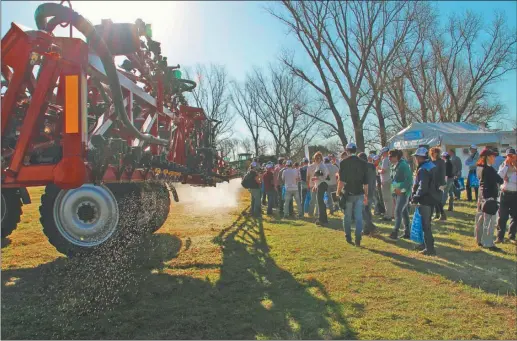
[
  {"x": 11, "y": 210},
  {"x": 122, "y": 197},
  {"x": 162, "y": 209},
  {"x": 154, "y": 196}
]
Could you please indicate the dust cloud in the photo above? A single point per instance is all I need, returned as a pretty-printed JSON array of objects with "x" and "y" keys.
[{"x": 201, "y": 199}]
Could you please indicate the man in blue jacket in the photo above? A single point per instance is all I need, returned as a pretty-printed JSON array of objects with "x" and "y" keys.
[{"x": 425, "y": 194}]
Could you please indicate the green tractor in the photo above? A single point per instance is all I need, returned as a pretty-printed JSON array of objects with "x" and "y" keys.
[{"x": 242, "y": 163}]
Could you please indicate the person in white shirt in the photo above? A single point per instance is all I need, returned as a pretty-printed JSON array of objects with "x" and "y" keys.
[
  {"x": 508, "y": 198},
  {"x": 290, "y": 177},
  {"x": 332, "y": 183},
  {"x": 384, "y": 172}
]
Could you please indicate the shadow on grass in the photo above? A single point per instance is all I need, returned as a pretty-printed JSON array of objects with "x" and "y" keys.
[
  {"x": 478, "y": 269},
  {"x": 131, "y": 293},
  {"x": 6, "y": 242}
]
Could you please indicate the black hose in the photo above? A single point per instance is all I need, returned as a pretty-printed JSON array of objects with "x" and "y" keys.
[{"x": 65, "y": 14}]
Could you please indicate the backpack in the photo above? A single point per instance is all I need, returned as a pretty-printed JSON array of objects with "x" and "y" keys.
[{"x": 247, "y": 180}]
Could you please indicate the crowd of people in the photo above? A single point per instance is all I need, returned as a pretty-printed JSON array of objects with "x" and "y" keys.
[{"x": 358, "y": 183}]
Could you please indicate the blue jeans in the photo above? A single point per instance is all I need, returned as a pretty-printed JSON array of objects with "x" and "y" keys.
[
  {"x": 255, "y": 208},
  {"x": 448, "y": 191},
  {"x": 402, "y": 213},
  {"x": 354, "y": 203},
  {"x": 302, "y": 191},
  {"x": 289, "y": 195}
]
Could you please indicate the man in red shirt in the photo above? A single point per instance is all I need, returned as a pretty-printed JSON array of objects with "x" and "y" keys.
[{"x": 269, "y": 187}]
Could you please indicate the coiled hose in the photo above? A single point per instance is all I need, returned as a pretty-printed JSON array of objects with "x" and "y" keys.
[{"x": 63, "y": 14}]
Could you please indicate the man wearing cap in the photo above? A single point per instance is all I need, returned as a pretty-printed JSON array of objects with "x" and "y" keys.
[
  {"x": 508, "y": 198},
  {"x": 353, "y": 183},
  {"x": 425, "y": 194},
  {"x": 384, "y": 173},
  {"x": 302, "y": 185},
  {"x": 471, "y": 164},
  {"x": 269, "y": 187},
  {"x": 290, "y": 176}
]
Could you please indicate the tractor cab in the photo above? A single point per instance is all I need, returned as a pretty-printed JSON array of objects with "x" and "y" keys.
[{"x": 242, "y": 163}]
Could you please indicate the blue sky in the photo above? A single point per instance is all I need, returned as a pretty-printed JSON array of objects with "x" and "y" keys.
[{"x": 238, "y": 34}]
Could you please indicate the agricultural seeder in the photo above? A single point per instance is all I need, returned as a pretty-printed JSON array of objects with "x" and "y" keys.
[{"x": 109, "y": 142}]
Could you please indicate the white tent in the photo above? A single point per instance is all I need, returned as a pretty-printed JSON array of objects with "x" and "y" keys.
[
  {"x": 457, "y": 136},
  {"x": 445, "y": 134}
]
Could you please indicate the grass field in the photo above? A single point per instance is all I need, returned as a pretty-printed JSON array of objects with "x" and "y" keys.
[{"x": 220, "y": 274}]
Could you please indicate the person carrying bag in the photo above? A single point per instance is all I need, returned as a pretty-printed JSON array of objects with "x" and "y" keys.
[{"x": 487, "y": 203}]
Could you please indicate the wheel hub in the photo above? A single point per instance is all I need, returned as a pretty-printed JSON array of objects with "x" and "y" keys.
[
  {"x": 86, "y": 216},
  {"x": 87, "y": 212}
]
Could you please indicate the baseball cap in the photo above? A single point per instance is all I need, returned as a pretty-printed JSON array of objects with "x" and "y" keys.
[
  {"x": 351, "y": 145},
  {"x": 384, "y": 150},
  {"x": 422, "y": 151},
  {"x": 269, "y": 166},
  {"x": 289, "y": 163},
  {"x": 254, "y": 164},
  {"x": 326, "y": 159},
  {"x": 445, "y": 154},
  {"x": 473, "y": 146},
  {"x": 510, "y": 151},
  {"x": 376, "y": 157},
  {"x": 487, "y": 152}
]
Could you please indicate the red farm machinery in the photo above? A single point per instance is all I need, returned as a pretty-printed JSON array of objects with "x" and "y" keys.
[{"x": 109, "y": 142}]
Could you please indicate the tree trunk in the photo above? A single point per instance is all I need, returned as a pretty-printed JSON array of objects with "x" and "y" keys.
[
  {"x": 382, "y": 123},
  {"x": 341, "y": 133},
  {"x": 358, "y": 127},
  {"x": 257, "y": 147}
]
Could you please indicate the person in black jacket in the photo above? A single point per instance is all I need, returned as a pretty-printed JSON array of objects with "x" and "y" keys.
[
  {"x": 426, "y": 194},
  {"x": 255, "y": 208},
  {"x": 449, "y": 184},
  {"x": 435, "y": 153},
  {"x": 488, "y": 190},
  {"x": 353, "y": 180}
]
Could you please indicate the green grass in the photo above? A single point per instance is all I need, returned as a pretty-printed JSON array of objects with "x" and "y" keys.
[{"x": 224, "y": 275}]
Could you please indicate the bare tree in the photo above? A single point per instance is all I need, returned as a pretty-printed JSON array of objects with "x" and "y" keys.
[
  {"x": 244, "y": 105},
  {"x": 212, "y": 94},
  {"x": 285, "y": 107},
  {"x": 446, "y": 76},
  {"x": 246, "y": 144},
  {"x": 229, "y": 147},
  {"x": 339, "y": 37},
  {"x": 385, "y": 68},
  {"x": 468, "y": 63}
]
